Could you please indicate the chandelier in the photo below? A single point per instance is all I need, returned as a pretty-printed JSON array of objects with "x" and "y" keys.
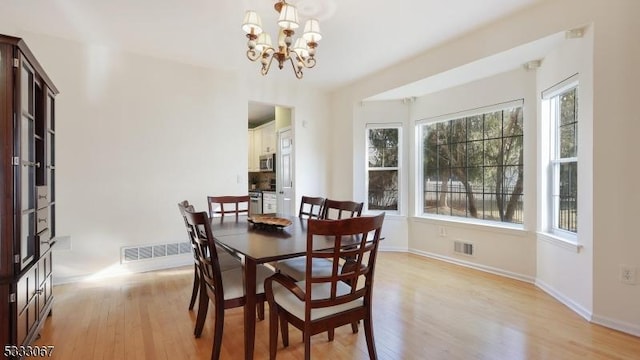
[{"x": 301, "y": 55}]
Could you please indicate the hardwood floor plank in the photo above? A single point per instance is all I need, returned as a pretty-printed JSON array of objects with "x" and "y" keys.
[{"x": 423, "y": 309}]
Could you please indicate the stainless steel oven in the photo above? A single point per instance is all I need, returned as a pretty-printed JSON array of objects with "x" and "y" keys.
[{"x": 255, "y": 202}]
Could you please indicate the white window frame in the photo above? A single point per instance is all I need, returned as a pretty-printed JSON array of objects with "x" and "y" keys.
[
  {"x": 419, "y": 160},
  {"x": 551, "y": 115},
  {"x": 368, "y": 127}
]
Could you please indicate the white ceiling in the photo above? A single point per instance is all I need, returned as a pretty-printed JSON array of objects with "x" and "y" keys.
[{"x": 360, "y": 36}]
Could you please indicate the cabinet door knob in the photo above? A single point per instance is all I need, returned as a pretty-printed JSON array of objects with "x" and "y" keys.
[{"x": 42, "y": 220}]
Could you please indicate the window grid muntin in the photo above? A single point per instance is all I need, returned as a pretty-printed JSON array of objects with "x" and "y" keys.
[{"x": 475, "y": 137}]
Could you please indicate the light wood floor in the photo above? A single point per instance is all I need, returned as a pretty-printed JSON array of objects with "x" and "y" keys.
[{"x": 423, "y": 309}]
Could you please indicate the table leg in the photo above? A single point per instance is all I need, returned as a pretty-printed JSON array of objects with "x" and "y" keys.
[{"x": 249, "y": 307}]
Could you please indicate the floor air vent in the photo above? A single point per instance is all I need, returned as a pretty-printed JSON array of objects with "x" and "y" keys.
[
  {"x": 463, "y": 248},
  {"x": 135, "y": 253}
]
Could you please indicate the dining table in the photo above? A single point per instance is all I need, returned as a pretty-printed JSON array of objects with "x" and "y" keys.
[{"x": 257, "y": 244}]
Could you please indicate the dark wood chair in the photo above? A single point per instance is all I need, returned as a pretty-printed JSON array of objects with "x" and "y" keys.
[
  {"x": 335, "y": 209},
  {"x": 226, "y": 260},
  {"x": 219, "y": 206},
  {"x": 311, "y": 207},
  {"x": 224, "y": 288},
  {"x": 320, "y": 304},
  {"x": 330, "y": 209}
]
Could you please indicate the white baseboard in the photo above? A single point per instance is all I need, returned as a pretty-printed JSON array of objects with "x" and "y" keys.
[
  {"x": 617, "y": 325},
  {"x": 471, "y": 265},
  {"x": 577, "y": 308}
]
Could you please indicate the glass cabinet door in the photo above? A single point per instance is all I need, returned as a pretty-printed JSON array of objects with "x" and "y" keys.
[{"x": 27, "y": 163}]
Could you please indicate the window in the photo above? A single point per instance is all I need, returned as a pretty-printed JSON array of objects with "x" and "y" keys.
[
  {"x": 472, "y": 165},
  {"x": 383, "y": 164},
  {"x": 562, "y": 105}
]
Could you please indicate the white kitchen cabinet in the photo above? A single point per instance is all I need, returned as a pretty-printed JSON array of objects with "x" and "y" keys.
[
  {"x": 262, "y": 141},
  {"x": 268, "y": 138}
]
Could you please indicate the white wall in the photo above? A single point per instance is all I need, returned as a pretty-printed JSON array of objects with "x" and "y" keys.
[
  {"x": 564, "y": 270},
  {"x": 135, "y": 135},
  {"x": 616, "y": 123}
]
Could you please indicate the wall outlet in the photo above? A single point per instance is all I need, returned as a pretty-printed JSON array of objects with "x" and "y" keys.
[{"x": 628, "y": 274}]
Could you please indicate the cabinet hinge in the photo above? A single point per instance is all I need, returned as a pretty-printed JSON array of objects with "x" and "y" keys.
[
  {"x": 16, "y": 258},
  {"x": 12, "y": 297},
  {"x": 15, "y": 161},
  {"x": 16, "y": 62}
]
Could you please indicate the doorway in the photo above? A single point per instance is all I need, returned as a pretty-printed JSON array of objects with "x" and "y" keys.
[{"x": 272, "y": 124}]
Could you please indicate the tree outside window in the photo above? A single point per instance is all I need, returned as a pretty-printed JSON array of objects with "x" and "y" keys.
[
  {"x": 473, "y": 166},
  {"x": 564, "y": 161},
  {"x": 383, "y": 154}
]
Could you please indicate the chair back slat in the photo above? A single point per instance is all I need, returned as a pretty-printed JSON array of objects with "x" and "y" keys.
[
  {"x": 356, "y": 240},
  {"x": 335, "y": 209},
  {"x": 219, "y": 206},
  {"x": 311, "y": 207}
]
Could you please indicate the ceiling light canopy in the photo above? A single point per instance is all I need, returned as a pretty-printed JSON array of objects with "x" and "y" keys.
[{"x": 301, "y": 55}]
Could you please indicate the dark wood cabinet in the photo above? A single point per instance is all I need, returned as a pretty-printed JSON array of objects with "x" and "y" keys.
[{"x": 27, "y": 188}]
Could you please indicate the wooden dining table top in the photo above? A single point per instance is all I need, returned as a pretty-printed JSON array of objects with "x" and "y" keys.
[{"x": 263, "y": 244}]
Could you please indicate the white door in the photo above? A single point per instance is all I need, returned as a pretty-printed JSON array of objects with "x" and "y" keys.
[{"x": 284, "y": 169}]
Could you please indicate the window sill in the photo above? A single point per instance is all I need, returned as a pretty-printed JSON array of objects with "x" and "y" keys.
[
  {"x": 564, "y": 243},
  {"x": 514, "y": 230},
  {"x": 388, "y": 214}
]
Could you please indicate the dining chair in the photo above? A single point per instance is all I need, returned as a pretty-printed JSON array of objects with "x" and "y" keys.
[
  {"x": 219, "y": 206},
  {"x": 224, "y": 288},
  {"x": 336, "y": 209},
  {"x": 330, "y": 209},
  {"x": 319, "y": 304},
  {"x": 226, "y": 260},
  {"x": 311, "y": 207}
]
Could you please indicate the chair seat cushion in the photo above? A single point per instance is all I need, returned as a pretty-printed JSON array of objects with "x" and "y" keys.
[
  {"x": 285, "y": 299},
  {"x": 227, "y": 261},
  {"x": 296, "y": 268},
  {"x": 234, "y": 286}
]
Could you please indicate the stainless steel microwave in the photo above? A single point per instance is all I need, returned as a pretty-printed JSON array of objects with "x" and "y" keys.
[{"x": 268, "y": 163}]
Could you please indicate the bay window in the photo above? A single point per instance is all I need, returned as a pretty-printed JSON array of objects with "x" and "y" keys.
[{"x": 472, "y": 164}]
